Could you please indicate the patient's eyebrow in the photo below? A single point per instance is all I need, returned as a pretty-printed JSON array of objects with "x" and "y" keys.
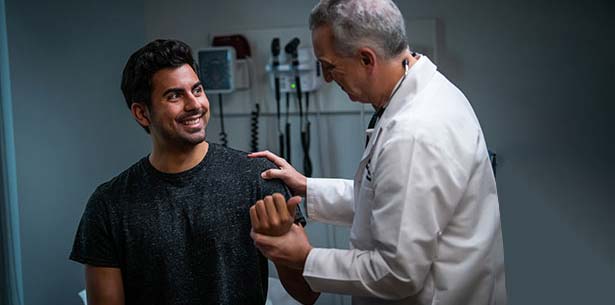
[
  {"x": 172, "y": 90},
  {"x": 198, "y": 84},
  {"x": 180, "y": 90}
]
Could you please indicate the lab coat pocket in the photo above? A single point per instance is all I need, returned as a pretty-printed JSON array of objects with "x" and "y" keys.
[
  {"x": 436, "y": 297},
  {"x": 367, "y": 185},
  {"x": 443, "y": 297},
  {"x": 366, "y": 194}
]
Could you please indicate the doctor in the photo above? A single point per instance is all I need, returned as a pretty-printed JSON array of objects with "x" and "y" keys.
[{"x": 423, "y": 207}]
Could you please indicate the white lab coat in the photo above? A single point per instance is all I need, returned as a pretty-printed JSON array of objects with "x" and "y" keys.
[{"x": 423, "y": 206}]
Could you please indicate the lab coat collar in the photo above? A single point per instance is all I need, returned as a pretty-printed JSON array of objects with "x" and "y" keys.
[{"x": 419, "y": 75}]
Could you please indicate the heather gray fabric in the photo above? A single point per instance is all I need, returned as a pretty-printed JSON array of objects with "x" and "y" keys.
[{"x": 181, "y": 238}]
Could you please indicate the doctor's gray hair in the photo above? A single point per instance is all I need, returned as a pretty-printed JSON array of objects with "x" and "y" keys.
[{"x": 377, "y": 24}]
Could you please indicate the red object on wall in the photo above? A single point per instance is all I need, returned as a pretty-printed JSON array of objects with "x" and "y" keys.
[{"x": 239, "y": 42}]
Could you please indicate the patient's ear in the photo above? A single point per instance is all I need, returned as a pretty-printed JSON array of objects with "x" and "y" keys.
[{"x": 141, "y": 113}]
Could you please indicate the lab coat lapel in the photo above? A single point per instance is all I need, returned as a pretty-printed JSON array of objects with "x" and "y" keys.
[
  {"x": 373, "y": 135},
  {"x": 423, "y": 69},
  {"x": 369, "y": 150}
]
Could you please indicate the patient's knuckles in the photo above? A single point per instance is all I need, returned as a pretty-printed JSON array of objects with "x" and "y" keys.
[{"x": 275, "y": 223}]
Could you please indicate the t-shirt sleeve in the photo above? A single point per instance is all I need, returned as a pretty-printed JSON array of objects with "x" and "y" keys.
[
  {"x": 94, "y": 243},
  {"x": 269, "y": 187}
]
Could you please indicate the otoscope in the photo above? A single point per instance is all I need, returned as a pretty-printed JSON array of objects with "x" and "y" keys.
[
  {"x": 292, "y": 49},
  {"x": 275, "y": 52}
]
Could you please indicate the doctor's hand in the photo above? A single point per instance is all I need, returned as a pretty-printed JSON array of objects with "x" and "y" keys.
[
  {"x": 296, "y": 182},
  {"x": 273, "y": 216},
  {"x": 290, "y": 249}
]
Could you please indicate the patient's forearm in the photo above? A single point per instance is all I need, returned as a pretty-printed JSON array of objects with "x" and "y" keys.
[
  {"x": 104, "y": 286},
  {"x": 295, "y": 285}
]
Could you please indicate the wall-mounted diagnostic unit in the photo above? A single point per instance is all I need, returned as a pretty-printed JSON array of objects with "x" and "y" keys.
[
  {"x": 308, "y": 71},
  {"x": 217, "y": 69}
]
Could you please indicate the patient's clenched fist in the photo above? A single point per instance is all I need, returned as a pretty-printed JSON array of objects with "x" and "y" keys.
[{"x": 273, "y": 216}]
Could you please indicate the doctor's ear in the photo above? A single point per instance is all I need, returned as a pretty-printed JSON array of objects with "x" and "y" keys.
[
  {"x": 368, "y": 57},
  {"x": 141, "y": 113}
]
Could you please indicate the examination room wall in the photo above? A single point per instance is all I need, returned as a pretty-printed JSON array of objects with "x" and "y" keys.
[
  {"x": 72, "y": 128},
  {"x": 539, "y": 77}
]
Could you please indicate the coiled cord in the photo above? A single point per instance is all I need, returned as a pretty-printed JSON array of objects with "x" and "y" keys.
[
  {"x": 306, "y": 139},
  {"x": 223, "y": 135},
  {"x": 254, "y": 128}
]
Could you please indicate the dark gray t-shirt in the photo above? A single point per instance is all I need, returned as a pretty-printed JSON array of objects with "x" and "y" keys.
[{"x": 181, "y": 238}]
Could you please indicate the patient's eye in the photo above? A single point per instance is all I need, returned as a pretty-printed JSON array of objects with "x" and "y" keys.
[
  {"x": 172, "y": 96},
  {"x": 198, "y": 91}
]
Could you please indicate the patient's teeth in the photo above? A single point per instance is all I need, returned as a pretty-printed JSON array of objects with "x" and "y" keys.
[{"x": 191, "y": 122}]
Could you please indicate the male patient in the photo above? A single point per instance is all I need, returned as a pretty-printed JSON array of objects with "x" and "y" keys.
[{"x": 174, "y": 228}]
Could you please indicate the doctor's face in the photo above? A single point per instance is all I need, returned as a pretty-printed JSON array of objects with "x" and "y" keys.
[
  {"x": 346, "y": 71},
  {"x": 179, "y": 109}
]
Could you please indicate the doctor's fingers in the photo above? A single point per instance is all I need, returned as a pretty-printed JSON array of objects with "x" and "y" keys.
[
  {"x": 295, "y": 181},
  {"x": 297, "y": 231},
  {"x": 278, "y": 161},
  {"x": 257, "y": 238},
  {"x": 274, "y": 173},
  {"x": 262, "y": 242}
]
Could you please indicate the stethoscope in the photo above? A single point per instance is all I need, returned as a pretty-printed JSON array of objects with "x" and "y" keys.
[
  {"x": 379, "y": 112},
  {"x": 406, "y": 65}
]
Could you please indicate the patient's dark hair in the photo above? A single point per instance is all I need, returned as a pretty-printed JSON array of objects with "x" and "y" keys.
[{"x": 145, "y": 62}]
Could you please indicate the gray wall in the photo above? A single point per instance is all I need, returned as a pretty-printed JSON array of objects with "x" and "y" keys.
[
  {"x": 72, "y": 128},
  {"x": 538, "y": 74},
  {"x": 4, "y": 299},
  {"x": 3, "y": 248}
]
